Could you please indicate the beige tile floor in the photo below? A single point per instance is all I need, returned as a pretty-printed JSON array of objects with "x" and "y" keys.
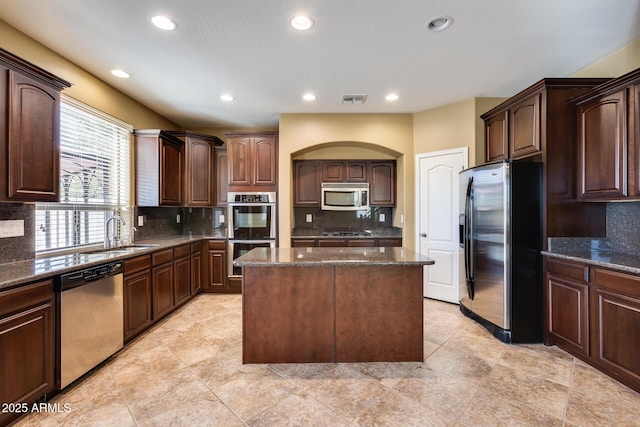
[{"x": 187, "y": 371}]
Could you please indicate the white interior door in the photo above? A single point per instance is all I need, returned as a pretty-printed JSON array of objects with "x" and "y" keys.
[{"x": 437, "y": 220}]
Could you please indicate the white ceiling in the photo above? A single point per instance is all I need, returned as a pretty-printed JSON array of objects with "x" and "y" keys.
[{"x": 246, "y": 48}]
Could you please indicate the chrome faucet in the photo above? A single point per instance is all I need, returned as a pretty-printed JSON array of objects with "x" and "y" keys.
[{"x": 110, "y": 242}]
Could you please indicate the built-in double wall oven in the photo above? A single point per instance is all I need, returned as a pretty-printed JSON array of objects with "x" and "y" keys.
[{"x": 252, "y": 224}]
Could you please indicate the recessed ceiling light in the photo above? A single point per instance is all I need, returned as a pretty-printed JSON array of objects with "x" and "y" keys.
[
  {"x": 301, "y": 22},
  {"x": 439, "y": 23},
  {"x": 392, "y": 97},
  {"x": 226, "y": 97},
  {"x": 164, "y": 23},
  {"x": 309, "y": 97},
  {"x": 120, "y": 73}
]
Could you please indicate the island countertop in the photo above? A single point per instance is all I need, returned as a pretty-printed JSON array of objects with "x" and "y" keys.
[{"x": 291, "y": 257}]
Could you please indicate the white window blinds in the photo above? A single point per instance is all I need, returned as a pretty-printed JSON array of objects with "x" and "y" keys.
[{"x": 94, "y": 179}]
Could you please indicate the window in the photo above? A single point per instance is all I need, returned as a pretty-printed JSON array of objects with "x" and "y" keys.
[{"x": 94, "y": 179}]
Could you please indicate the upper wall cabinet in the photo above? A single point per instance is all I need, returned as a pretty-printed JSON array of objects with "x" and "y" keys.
[
  {"x": 199, "y": 167},
  {"x": 159, "y": 166},
  {"x": 609, "y": 162},
  {"x": 222, "y": 176},
  {"x": 29, "y": 131},
  {"x": 253, "y": 162},
  {"x": 539, "y": 123}
]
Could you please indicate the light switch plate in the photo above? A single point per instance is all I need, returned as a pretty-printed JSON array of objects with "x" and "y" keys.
[
  {"x": 178, "y": 219},
  {"x": 12, "y": 228},
  {"x": 382, "y": 217},
  {"x": 140, "y": 220},
  {"x": 309, "y": 218},
  {"x": 221, "y": 217}
]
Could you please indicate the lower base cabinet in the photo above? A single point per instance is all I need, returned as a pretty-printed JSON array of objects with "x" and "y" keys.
[
  {"x": 196, "y": 268},
  {"x": 138, "y": 315},
  {"x": 163, "y": 283},
  {"x": 218, "y": 280},
  {"x": 182, "y": 274},
  {"x": 27, "y": 343},
  {"x": 594, "y": 314},
  {"x": 387, "y": 242}
]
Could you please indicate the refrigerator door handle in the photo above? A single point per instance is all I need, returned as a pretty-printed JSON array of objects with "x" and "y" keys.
[{"x": 468, "y": 239}]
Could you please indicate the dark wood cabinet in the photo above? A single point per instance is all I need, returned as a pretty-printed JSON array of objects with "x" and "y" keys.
[
  {"x": 199, "y": 180},
  {"x": 159, "y": 168},
  {"x": 27, "y": 342},
  {"x": 138, "y": 316},
  {"x": 252, "y": 161},
  {"x": 217, "y": 279},
  {"x": 382, "y": 183},
  {"x": 540, "y": 124},
  {"x": 162, "y": 276},
  {"x": 604, "y": 146},
  {"x": 497, "y": 137},
  {"x": 29, "y": 131},
  {"x": 306, "y": 180},
  {"x": 308, "y": 175},
  {"x": 524, "y": 127},
  {"x": 567, "y": 292},
  {"x": 616, "y": 317},
  {"x": 222, "y": 176},
  {"x": 594, "y": 314},
  {"x": 182, "y": 274},
  {"x": 196, "y": 268}
]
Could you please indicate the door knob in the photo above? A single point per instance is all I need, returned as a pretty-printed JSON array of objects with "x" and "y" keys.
[{"x": 423, "y": 234}]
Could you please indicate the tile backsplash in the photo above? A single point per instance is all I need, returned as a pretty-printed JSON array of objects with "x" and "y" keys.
[{"x": 351, "y": 220}]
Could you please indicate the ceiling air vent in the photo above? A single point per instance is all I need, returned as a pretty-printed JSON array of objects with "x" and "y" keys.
[{"x": 354, "y": 99}]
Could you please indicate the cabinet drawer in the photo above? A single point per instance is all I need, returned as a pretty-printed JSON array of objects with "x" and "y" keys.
[
  {"x": 25, "y": 296},
  {"x": 217, "y": 244},
  {"x": 181, "y": 251},
  {"x": 139, "y": 263},
  {"x": 161, "y": 257},
  {"x": 569, "y": 270},
  {"x": 196, "y": 247},
  {"x": 620, "y": 282}
]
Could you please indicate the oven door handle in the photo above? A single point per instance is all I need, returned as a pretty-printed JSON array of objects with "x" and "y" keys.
[{"x": 251, "y": 241}]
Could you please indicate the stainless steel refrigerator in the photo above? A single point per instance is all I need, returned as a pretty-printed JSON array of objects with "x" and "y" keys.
[{"x": 500, "y": 242}]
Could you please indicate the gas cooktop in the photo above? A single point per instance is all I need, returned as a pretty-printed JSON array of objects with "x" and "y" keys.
[{"x": 347, "y": 233}]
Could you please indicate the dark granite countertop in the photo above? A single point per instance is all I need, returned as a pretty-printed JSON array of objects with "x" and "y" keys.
[
  {"x": 315, "y": 233},
  {"x": 287, "y": 257},
  {"x": 21, "y": 272},
  {"x": 607, "y": 259}
]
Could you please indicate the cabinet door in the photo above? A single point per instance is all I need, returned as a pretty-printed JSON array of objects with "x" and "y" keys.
[
  {"x": 332, "y": 243},
  {"x": 333, "y": 171},
  {"x": 170, "y": 174},
  {"x": 163, "y": 297},
  {"x": 217, "y": 271},
  {"x": 361, "y": 243},
  {"x": 382, "y": 178},
  {"x": 239, "y": 150},
  {"x": 137, "y": 304},
  {"x": 182, "y": 277},
  {"x": 222, "y": 177},
  {"x": 496, "y": 138},
  {"x": 264, "y": 161},
  {"x": 603, "y": 147},
  {"x": 307, "y": 180},
  {"x": 390, "y": 242},
  {"x": 568, "y": 305},
  {"x": 198, "y": 172},
  {"x": 196, "y": 272},
  {"x": 524, "y": 122},
  {"x": 356, "y": 172},
  {"x": 33, "y": 134},
  {"x": 616, "y": 309}
]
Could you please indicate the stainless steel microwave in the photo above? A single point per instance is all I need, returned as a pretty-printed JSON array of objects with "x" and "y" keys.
[{"x": 345, "y": 196}]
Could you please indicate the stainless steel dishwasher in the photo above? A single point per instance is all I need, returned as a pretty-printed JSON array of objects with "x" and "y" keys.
[{"x": 91, "y": 319}]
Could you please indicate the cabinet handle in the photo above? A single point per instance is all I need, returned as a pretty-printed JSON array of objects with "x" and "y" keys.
[{"x": 423, "y": 234}]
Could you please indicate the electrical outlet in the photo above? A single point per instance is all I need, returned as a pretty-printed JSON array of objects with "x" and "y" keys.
[
  {"x": 221, "y": 218},
  {"x": 401, "y": 218},
  {"x": 140, "y": 220},
  {"x": 382, "y": 217},
  {"x": 178, "y": 219},
  {"x": 12, "y": 228},
  {"x": 309, "y": 218}
]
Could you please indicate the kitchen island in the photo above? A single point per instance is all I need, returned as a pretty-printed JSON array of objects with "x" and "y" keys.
[{"x": 304, "y": 305}]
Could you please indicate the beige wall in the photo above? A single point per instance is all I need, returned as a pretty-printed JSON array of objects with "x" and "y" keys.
[
  {"x": 616, "y": 64},
  {"x": 346, "y": 136},
  {"x": 85, "y": 87}
]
